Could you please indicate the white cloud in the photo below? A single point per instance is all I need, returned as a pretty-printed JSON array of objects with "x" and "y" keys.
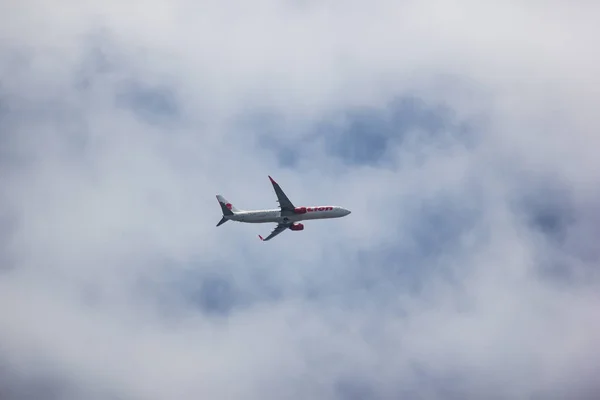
[{"x": 103, "y": 210}]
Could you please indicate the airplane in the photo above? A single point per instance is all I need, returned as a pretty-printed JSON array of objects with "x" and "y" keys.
[{"x": 286, "y": 217}]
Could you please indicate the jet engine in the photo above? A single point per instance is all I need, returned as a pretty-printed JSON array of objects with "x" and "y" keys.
[
  {"x": 300, "y": 210},
  {"x": 297, "y": 227}
]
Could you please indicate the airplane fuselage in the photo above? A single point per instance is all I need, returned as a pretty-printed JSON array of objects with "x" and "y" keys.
[
  {"x": 287, "y": 216},
  {"x": 302, "y": 214}
]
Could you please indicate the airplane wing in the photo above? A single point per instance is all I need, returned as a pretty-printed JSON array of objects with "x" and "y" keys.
[
  {"x": 278, "y": 229},
  {"x": 287, "y": 208}
]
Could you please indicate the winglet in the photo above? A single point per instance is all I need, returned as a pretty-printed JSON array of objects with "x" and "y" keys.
[
  {"x": 272, "y": 181},
  {"x": 261, "y": 238}
]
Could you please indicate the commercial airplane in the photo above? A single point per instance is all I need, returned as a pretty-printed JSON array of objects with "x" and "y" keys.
[{"x": 287, "y": 216}]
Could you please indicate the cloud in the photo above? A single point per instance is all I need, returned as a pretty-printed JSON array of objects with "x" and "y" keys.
[{"x": 462, "y": 137}]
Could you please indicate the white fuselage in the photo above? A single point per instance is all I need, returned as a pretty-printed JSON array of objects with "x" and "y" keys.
[{"x": 274, "y": 215}]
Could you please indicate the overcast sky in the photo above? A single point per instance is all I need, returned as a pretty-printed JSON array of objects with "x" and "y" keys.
[{"x": 463, "y": 135}]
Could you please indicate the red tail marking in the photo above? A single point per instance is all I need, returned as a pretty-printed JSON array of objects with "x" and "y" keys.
[{"x": 228, "y": 205}]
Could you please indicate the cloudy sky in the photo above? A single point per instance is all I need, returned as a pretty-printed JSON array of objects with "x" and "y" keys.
[{"x": 463, "y": 135}]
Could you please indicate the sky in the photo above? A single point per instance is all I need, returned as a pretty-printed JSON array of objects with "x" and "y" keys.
[{"x": 463, "y": 136}]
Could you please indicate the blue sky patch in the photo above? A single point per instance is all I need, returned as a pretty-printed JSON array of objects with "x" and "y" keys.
[
  {"x": 362, "y": 136},
  {"x": 104, "y": 64}
]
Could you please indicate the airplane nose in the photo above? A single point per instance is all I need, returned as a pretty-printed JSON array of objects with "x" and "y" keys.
[{"x": 347, "y": 212}]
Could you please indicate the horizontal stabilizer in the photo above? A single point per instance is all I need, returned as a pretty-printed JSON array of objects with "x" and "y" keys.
[{"x": 222, "y": 221}]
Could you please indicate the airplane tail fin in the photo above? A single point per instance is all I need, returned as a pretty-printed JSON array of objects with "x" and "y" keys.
[{"x": 227, "y": 208}]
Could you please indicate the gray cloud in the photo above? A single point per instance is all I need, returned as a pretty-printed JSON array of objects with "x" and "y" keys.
[{"x": 468, "y": 268}]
